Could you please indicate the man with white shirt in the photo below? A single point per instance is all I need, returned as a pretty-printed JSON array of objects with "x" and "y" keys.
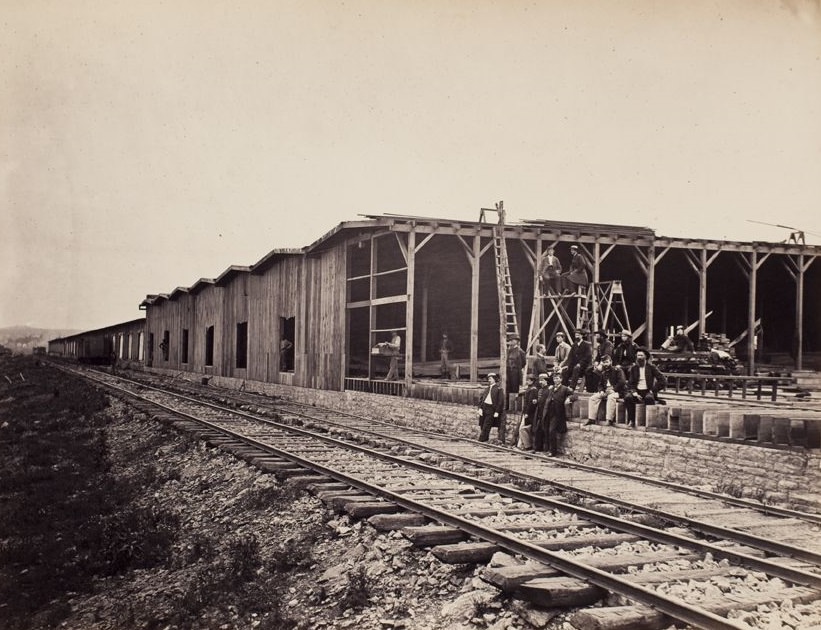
[
  {"x": 491, "y": 409},
  {"x": 644, "y": 381}
]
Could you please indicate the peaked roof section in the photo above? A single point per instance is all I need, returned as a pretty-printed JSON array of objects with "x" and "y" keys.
[
  {"x": 228, "y": 274},
  {"x": 273, "y": 256}
]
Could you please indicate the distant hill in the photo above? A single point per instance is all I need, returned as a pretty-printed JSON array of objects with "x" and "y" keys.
[{"x": 24, "y": 339}]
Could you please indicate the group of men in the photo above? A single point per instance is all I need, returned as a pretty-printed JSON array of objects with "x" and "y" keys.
[
  {"x": 554, "y": 281},
  {"x": 611, "y": 372}
]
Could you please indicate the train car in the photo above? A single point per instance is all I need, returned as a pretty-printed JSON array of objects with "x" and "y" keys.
[{"x": 122, "y": 344}]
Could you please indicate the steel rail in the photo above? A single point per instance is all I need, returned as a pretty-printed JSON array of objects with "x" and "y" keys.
[
  {"x": 791, "y": 574},
  {"x": 707, "y": 528}
]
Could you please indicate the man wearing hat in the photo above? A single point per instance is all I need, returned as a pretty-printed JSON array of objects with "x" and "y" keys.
[
  {"x": 531, "y": 399},
  {"x": 604, "y": 347},
  {"x": 624, "y": 354},
  {"x": 644, "y": 381},
  {"x": 577, "y": 273},
  {"x": 516, "y": 362},
  {"x": 579, "y": 358},
  {"x": 610, "y": 387},
  {"x": 491, "y": 407}
]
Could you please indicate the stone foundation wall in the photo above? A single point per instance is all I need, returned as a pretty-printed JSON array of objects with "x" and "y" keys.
[{"x": 787, "y": 476}]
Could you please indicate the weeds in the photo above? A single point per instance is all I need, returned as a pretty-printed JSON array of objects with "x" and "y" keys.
[{"x": 357, "y": 591}]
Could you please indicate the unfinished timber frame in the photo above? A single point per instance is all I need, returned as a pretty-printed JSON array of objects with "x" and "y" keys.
[{"x": 335, "y": 301}]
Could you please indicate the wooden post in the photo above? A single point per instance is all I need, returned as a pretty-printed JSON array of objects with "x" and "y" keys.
[
  {"x": 799, "y": 313},
  {"x": 651, "y": 294},
  {"x": 702, "y": 293},
  {"x": 751, "y": 313},
  {"x": 423, "y": 333},
  {"x": 409, "y": 310},
  {"x": 474, "y": 308}
]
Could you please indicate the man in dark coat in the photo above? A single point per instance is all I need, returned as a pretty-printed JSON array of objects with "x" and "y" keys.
[
  {"x": 624, "y": 354},
  {"x": 576, "y": 275},
  {"x": 644, "y": 381},
  {"x": 516, "y": 362},
  {"x": 556, "y": 413},
  {"x": 491, "y": 407},
  {"x": 604, "y": 347},
  {"x": 611, "y": 386},
  {"x": 579, "y": 358},
  {"x": 539, "y": 428},
  {"x": 531, "y": 400},
  {"x": 681, "y": 342}
]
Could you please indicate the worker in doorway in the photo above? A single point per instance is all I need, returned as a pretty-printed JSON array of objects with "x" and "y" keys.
[
  {"x": 491, "y": 408},
  {"x": 394, "y": 345},
  {"x": 286, "y": 354},
  {"x": 445, "y": 348}
]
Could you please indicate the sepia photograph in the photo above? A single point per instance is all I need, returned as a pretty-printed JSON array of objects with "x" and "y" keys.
[{"x": 421, "y": 315}]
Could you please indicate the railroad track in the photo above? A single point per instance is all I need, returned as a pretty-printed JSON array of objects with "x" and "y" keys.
[{"x": 581, "y": 533}]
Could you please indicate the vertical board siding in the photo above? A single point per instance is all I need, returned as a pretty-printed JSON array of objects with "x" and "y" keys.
[{"x": 310, "y": 289}]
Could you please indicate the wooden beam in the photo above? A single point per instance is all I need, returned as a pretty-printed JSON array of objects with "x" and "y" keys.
[
  {"x": 651, "y": 295},
  {"x": 474, "y": 308},
  {"x": 411, "y": 280}
]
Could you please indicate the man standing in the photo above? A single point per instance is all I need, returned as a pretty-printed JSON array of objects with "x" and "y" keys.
[
  {"x": 644, "y": 381},
  {"x": 577, "y": 274},
  {"x": 611, "y": 385},
  {"x": 491, "y": 406},
  {"x": 551, "y": 273},
  {"x": 531, "y": 399},
  {"x": 556, "y": 413},
  {"x": 516, "y": 362},
  {"x": 445, "y": 348},
  {"x": 394, "y": 345},
  {"x": 539, "y": 428}
]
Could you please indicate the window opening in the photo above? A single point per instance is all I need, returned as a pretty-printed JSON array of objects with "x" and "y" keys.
[
  {"x": 287, "y": 327},
  {"x": 209, "y": 346},
  {"x": 184, "y": 348},
  {"x": 166, "y": 337},
  {"x": 242, "y": 345}
]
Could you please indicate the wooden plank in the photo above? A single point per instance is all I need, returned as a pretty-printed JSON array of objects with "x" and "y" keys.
[
  {"x": 366, "y": 509},
  {"x": 462, "y": 553},
  {"x": 430, "y": 535},
  {"x": 601, "y": 541},
  {"x": 559, "y": 592},
  {"x": 391, "y": 522},
  {"x": 509, "y": 578}
]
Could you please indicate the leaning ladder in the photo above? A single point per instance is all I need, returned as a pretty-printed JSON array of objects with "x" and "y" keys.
[{"x": 509, "y": 325}]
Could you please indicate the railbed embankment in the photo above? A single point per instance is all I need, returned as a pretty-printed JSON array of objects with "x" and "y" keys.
[{"x": 782, "y": 474}]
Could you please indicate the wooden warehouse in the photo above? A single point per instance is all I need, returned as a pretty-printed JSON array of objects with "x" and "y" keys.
[{"x": 312, "y": 317}]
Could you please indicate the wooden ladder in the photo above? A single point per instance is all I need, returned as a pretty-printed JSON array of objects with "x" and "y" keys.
[{"x": 509, "y": 325}]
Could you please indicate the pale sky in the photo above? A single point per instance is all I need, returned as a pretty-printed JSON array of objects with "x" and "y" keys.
[{"x": 144, "y": 145}]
